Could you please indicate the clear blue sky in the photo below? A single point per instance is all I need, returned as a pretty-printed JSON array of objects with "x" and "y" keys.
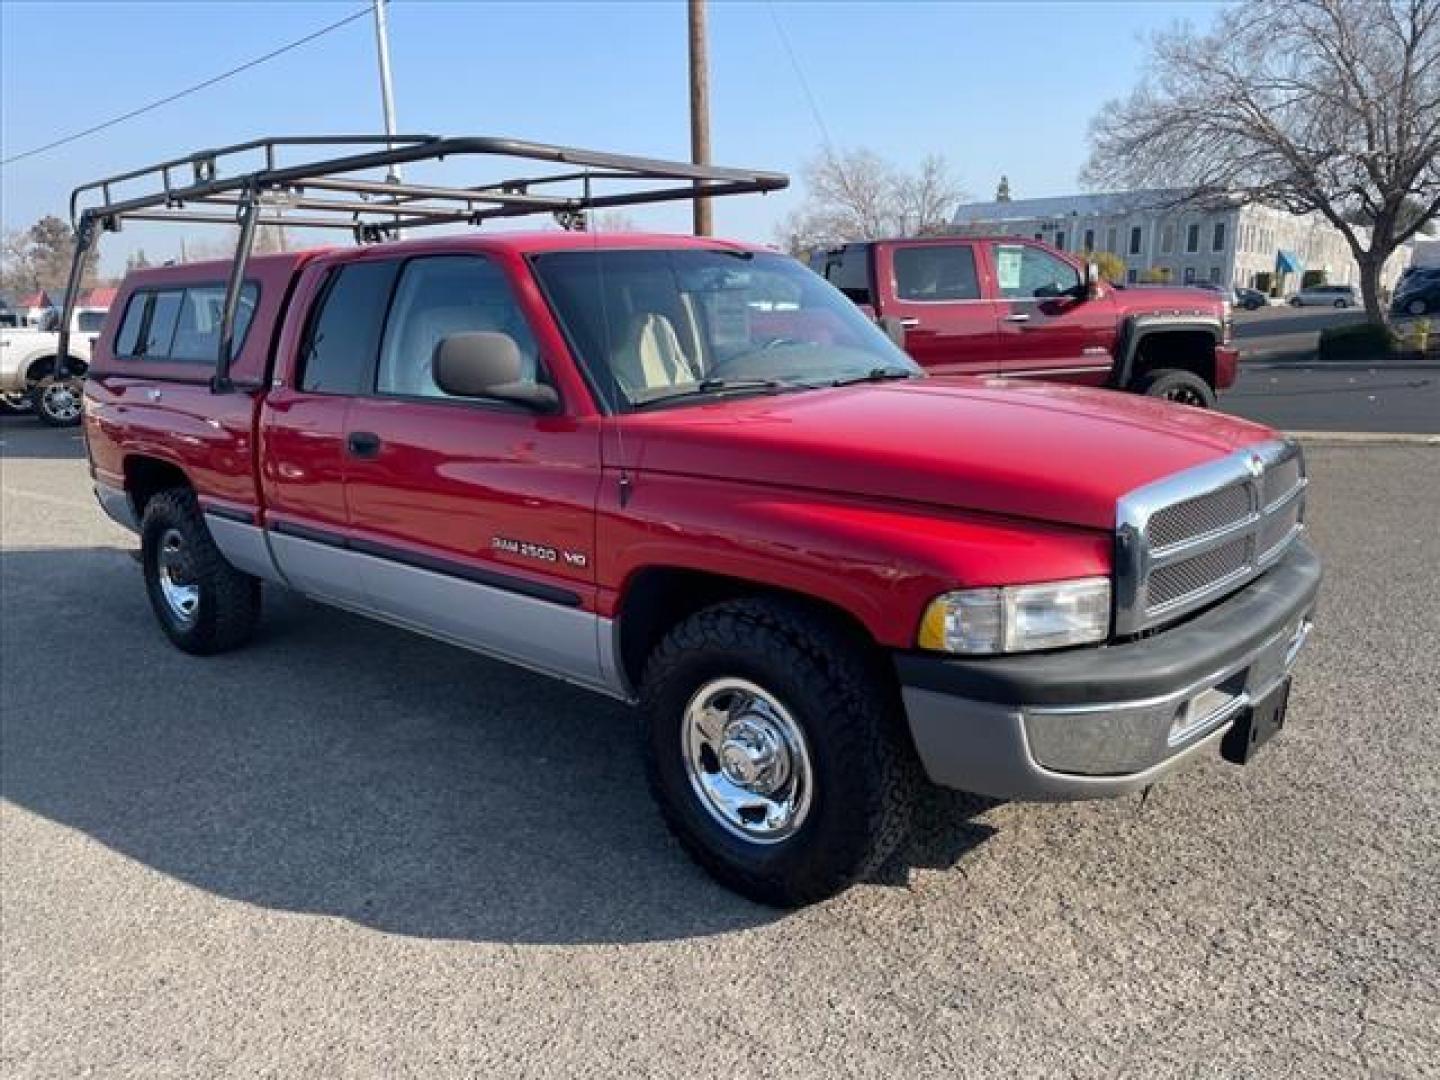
[{"x": 997, "y": 88}]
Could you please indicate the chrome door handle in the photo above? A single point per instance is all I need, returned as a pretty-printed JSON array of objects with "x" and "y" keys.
[
  {"x": 1018, "y": 317},
  {"x": 909, "y": 322}
]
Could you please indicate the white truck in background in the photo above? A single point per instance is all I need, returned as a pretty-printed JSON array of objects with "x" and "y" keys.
[{"x": 27, "y": 360}]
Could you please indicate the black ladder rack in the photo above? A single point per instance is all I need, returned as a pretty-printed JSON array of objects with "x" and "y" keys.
[{"x": 248, "y": 185}]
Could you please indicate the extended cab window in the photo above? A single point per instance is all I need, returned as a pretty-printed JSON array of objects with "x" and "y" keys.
[
  {"x": 936, "y": 272},
  {"x": 181, "y": 324},
  {"x": 440, "y": 296},
  {"x": 343, "y": 338},
  {"x": 1023, "y": 272}
]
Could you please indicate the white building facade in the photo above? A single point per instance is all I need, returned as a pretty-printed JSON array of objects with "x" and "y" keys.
[{"x": 1253, "y": 246}]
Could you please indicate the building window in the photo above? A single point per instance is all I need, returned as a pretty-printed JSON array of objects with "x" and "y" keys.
[
  {"x": 1217, "y": 238},
  {"x": 1039, "y": 236},
  {"x": 1110, "y": 238},
  {"x": 1060, "y": 239},
  {"x": 1214, "y": 275},
  {"x": 1192, "y": 239},
  {"x": 1089, "y": 239},
  {"x": 1131, "y": 275},
  {"x": 1137, "y": 237},
  {"x": 1189, "y": 275},
  {"x": 1167, "y": 238}
]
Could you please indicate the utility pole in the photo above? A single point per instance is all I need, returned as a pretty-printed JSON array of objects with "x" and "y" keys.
[
  {"x": 387, "y": 92},
  {"x": 699, "y": 108}
]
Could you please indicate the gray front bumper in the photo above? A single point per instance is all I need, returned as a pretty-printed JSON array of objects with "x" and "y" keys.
[{"x": 1092, "y": 723}]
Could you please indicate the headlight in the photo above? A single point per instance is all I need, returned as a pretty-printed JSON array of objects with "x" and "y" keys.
[{"x": 1018, "y": 618}]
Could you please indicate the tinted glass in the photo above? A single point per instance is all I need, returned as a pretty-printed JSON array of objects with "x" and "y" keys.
[
  {"x": 849, "y": 271},
  {"x": 442, "y": 296},
  {"x": 89, "y": 322},
  {"x": 129, "y": 334},
  {"x": 341, "y": 343},
  {"x": 936, "y": 272},
  {"x": 160, "y": 328},
  {"x": 1023, "y": 272},
  {"x": 197, "y": 330},
  {"x": 652, "y": 325}
]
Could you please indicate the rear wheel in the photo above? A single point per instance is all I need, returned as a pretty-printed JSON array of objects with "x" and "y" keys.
[
  {"x": 57, "y": 402},
  {"x": 1342, "y": 303},
  {"x": 203, "y": 604},
  {"x": 1181, "y": 386},
  {"x": 773, "y": 748}
]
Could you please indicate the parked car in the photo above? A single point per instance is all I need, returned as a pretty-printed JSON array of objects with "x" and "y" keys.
[
  {"x": 27, "y": 358},
  {"x": 1004, "y": 305},
  {"x": 1250, "y": 299},
  {"x": 690, "y": 474},
  {"x": 1340, "y": 296},
  {"x": 1417, "y": 294}
]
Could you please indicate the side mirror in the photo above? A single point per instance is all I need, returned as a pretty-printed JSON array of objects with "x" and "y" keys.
[
  {"x": 485, "y": 364},
  {"x": 1092, "y": 279}
]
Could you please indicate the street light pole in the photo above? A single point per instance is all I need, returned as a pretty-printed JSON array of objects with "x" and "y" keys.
[
  {"x": 699, "y": 108},
  {"x": 387, "y": 92}
]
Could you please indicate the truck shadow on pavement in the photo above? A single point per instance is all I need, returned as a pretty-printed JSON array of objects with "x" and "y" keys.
[{"x": 341, "y": 767}]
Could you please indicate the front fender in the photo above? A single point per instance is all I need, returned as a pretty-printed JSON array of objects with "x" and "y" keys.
[{"x": 882, "y": 562}]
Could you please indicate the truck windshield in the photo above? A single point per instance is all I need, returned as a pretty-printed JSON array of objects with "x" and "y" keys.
[{"x": 656, "y": 325}]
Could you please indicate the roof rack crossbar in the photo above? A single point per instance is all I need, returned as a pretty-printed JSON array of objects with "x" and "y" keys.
[{"x": 222, "y": 186}]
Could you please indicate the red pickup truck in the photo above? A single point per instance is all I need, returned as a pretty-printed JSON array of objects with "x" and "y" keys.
[
  {"x": 691, "y": 475},
  {"x": 1006, "y": 305}
]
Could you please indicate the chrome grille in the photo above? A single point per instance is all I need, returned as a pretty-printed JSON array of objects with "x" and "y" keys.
[
  {"x": 1189, "y": 576},
  {"x": 1185, "y": 541},
  {"x": 1198, "y": 516}
]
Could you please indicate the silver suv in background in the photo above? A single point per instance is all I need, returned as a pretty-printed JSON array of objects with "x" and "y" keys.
[{"x": 1341, "y": 296}]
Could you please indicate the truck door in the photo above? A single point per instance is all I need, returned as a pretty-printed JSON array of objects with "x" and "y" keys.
[
  {"x": 476, "y": 517},
  {"x": 1048, "y": 328},
  {"x": 302, "y": 427},
  {"x": 934, "y": 288}
]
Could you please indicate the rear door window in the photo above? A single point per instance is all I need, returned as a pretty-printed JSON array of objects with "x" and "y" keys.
[
  {"x": 932, "y": 272},
  {"x": 182, "y": 325},
  {"x": 344, "y": 334}
]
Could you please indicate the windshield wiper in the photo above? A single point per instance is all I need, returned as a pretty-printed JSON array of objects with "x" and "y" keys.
[
  {"x": 712, "y": 386},
  {"x": 879, "y": 374}
]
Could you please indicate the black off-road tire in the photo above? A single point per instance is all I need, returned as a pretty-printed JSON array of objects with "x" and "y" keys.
[
  {"x": 228, "y": 605},
  {"x": 1179, "y": 385},
  {"x": 864, "y": 767}
]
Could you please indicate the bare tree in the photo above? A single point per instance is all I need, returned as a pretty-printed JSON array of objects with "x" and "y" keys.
[
  {"x": 1316, "y": 106},
  {"x": 858, "y": 195},
  {"x": 39, "y": 257},
  {"x": 926, "y": 199}
]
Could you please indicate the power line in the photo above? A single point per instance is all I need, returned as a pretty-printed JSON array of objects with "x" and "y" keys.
[
  {"x": 800, "y": 77},
  {"x": 190, "y": 89}
]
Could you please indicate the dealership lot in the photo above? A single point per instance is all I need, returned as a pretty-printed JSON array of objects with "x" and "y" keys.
[{"x": 347, "y": 849}]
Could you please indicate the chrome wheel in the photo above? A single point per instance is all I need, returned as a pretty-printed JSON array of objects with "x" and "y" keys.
[
  {"x": 747, "y": 761},
  {"x": 172, "y": 566},
  {"x": 1416, "y": 307},
  {"x": 1185, "y": 395},
  {"x": 60, "y": 401}
]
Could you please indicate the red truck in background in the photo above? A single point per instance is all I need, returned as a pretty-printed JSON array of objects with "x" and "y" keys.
[
  {"x": 692, "y": 475},
  {"x": 1006, "y": 305}
]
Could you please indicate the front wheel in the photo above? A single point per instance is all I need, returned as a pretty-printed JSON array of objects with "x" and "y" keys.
[
  {"x": 57, "y": 402},
  {"x": 203, "y": 604},
  {"x": 1342, "y": 303},
  {"x": 1180, "y": 386},
  {"x": 773, "y": 747}
]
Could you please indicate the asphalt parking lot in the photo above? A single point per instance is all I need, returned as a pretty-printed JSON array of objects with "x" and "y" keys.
[{"x": 348, "y": 851}]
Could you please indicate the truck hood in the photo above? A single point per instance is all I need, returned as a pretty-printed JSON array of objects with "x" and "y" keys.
[
  {"x": 1168, "y": 300},
  {"x": 1050, "y": 453}
]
